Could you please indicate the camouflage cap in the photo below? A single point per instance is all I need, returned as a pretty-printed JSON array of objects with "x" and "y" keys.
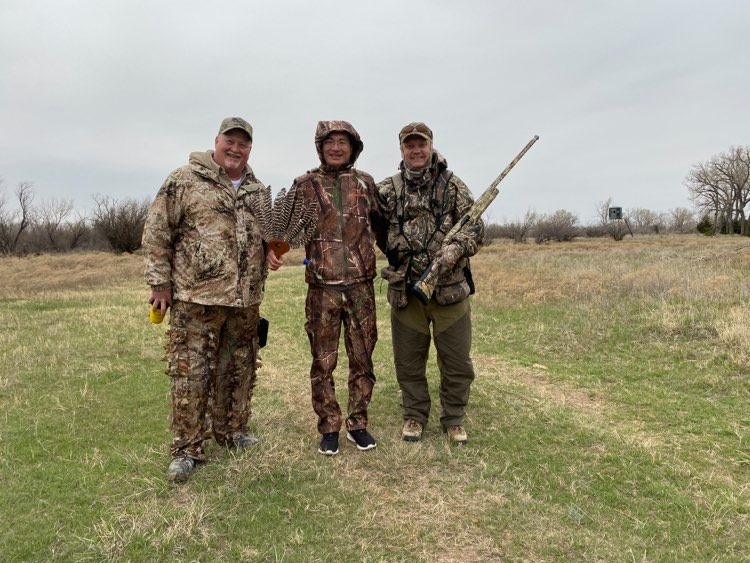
[
  {"x": 236, "y": 123},
  {"x": 415, "y": 128}
]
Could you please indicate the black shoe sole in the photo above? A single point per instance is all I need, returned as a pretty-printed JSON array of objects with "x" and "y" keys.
[{"x": 327, "y": 452}]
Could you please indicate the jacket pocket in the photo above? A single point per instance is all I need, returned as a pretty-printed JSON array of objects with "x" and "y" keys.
[
  {"x": 397, "y": 296},
  {"x": 452, "y": 293}
]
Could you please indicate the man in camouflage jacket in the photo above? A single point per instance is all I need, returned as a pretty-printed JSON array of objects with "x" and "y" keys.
[
  {"x": 205, "y": 258},
  {"x": 420, "y": 204},
  {"x": 340, "y": 270}
]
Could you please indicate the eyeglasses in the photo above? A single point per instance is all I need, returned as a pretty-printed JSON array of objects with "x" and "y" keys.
[{"x": 338, "y": 143}]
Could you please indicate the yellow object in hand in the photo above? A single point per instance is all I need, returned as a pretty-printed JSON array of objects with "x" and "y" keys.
[{"x": 155, "y": 315}]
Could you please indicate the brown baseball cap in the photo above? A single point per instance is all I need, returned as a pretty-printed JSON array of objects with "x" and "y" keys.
[
  {"x": 236, "y": 123},
  {"x": 415, "y": 128}
]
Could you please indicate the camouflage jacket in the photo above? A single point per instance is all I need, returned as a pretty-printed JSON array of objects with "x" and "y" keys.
[
  {"x": 340, "y": 252},
  {"x": 202, "y": 239},
  {"x": 418, "y": 215}
]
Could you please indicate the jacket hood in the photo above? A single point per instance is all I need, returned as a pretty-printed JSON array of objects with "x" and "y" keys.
[{"x": 325, "y": 128}]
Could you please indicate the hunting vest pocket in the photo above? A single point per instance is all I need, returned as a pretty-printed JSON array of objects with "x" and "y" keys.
[
  {"x": 397, "y": 296},
  {"x": 452, "y": 293}
]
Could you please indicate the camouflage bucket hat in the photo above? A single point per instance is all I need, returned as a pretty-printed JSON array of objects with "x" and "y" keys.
[
  {"x": 415, "y": 128},
  {"x": 236, "y": 123}
]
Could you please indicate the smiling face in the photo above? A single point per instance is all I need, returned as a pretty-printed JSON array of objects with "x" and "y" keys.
[
  {"x": 337, "y": 150},
  {"x": 231, "y": 152},
  {"x": 416, "y": 152}
]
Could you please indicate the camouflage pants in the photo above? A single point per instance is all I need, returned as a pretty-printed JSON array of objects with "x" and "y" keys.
[
  {"x": 326, "y": 310},
  {"x": 211, "y": 359},
  {"x": 451, "y": 329}
]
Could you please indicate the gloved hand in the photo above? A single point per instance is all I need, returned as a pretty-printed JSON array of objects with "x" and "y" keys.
[{"x": 448, "y": 256}]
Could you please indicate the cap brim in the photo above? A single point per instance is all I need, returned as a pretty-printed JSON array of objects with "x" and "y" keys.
[
  {"x": 236, "y": 129},
  {"x": 415, "y": 134}
]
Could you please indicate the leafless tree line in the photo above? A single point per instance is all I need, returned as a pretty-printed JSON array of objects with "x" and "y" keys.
[
  {"x": 720, "y": 188},
  {"x": 53, "y": 225},
  {"x": 564, "y": 226}
]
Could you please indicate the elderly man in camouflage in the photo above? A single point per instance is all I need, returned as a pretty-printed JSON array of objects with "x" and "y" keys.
[
  {"x": 340, "y": 272},
  {"x": 205, "y": 258},
  {"x": 420, "y": 205}
]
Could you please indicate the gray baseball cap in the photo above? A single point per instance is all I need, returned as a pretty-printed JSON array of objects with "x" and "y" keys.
[{"x": 236, "y": 123}]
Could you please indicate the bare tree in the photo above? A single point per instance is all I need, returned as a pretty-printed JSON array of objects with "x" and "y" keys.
[
  {"x": 681, "y": 220},
  {"x": 76, "y": 230},
  {"x": 560, "y": 226},
  {"x": 519, "y": 230},
  {"x": 120, "y": 222},
  {"x": 602, "y": 211},
  {"x": 646, "y": 221},
  {"x": 52, "y": 214},
  {"x": 14, "y": 222},
  {"x": 720, "y": 187}
]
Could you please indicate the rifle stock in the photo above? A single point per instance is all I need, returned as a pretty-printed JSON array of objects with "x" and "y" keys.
[{"x": 425, "y": 286}]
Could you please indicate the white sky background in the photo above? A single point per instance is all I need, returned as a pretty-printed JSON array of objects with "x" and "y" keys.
[{"x": 108, "y": 97}]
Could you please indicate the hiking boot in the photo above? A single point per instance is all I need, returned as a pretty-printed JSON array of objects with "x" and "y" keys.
[
  {"x": 244, "y": 441},
  {"x": 362, "y": 438},
  {"x": 412, "y": 431},
  {"x": 329, "y": 444},
  {"x": 457, "y": 434},
  {"x": 180, "y": 468}
]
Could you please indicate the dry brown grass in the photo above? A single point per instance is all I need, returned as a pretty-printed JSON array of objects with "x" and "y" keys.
[
  {"x": 35, "y": 276},
  {"x": 601, "y": 269}
]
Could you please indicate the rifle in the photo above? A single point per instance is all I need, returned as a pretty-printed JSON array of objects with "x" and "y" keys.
[{"x": 425, "y": 286}]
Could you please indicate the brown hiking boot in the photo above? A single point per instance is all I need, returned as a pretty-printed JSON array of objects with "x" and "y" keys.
[
  {"x": 412, "y": 431},
  {"x": 457, "y": 434}
]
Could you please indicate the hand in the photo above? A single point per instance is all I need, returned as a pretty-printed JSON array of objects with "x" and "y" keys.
[
  {"x": 448, "y": 256},
  {"x": 161, "y": 300},
  {"x": 272, "y": 261}
]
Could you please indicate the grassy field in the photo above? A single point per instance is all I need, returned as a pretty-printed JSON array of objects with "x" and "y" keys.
[{"x": 609, "y": 421}]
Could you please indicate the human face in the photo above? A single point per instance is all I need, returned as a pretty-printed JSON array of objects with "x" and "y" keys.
[
  {"x": 231, "y": 151},
  {"x": 416, "y": 152},
  {"x": 337, "y": 150}
]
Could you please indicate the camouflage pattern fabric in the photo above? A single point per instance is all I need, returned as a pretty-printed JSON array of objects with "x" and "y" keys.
[
  {"x": 202, "y": 238},
  {"x": 211, "y": 355},
  {"x": 428, "y": 209},
  {"x": 341, "y": 250},
  {"x": 326, "y": 310}
]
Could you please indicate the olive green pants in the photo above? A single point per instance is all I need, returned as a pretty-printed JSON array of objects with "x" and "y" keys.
[{"x": 451, "y": 332}]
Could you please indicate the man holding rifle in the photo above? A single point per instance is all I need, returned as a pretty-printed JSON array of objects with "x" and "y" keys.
[{"x": 421, "y": 203}]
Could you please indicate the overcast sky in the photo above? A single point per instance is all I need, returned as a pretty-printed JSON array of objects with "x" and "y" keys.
[{"x": 107, "y": 97}]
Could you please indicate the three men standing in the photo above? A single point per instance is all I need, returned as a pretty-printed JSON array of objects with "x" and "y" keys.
[
  {"x": 420, "y": 205},
  {"x": 206, "y": 259}
]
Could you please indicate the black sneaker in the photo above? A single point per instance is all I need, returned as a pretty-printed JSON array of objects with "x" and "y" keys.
[
  {"x": 362, "y": 438},
  {"x": 329, "y": 444}
]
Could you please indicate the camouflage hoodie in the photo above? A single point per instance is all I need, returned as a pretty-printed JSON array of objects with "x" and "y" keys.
[
  {"x": 418, "y": 218},
  {"x": 202, "y": 238},
  {"x": 341, "y": 251}
]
